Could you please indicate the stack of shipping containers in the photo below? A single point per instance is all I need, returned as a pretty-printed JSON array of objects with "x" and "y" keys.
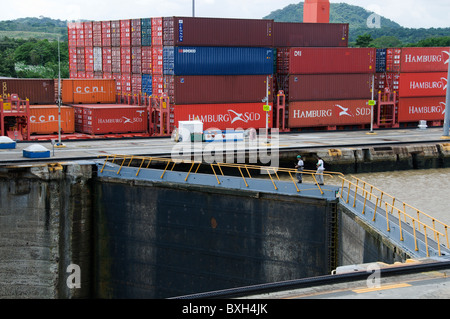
[
  {"x": 216, "y": 70},
  {"x": 423, "y": 85}
]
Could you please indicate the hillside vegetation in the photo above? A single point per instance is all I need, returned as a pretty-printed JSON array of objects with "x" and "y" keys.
[
  {"x": 390, "y": 32},
  {"x": 28, "y": 46}
]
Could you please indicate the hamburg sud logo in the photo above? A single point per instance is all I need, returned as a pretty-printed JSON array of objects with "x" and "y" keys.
[
  {"x": 343, "y": 111},
  {"x": 444, "y": 57}
]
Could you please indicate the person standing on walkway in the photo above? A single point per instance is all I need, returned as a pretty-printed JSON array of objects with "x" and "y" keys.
[
  {"x": 299, "y": 167},
  {"x": 319, "y": 173}
]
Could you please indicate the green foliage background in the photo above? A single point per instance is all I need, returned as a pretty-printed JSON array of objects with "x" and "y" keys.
[{"x": 29, "y": 46}]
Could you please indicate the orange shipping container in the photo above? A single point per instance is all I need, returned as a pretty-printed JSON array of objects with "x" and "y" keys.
[
  {"x": 90, "y": 91},
  {"x": 44, "y": 119}
]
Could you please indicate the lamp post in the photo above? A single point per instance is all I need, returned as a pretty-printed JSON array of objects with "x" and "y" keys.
[{"x": 447, "y": 106}]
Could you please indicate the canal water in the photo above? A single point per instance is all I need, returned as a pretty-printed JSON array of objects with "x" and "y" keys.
[{"x": 426, "y": 189}]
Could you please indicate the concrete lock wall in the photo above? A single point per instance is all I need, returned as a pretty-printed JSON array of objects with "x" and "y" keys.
[
  {"x": 359, "y": 243},
  {"x": 157, "y": 241},
  {"x": 137, "y": 239},
  {"x": 44, "y": 228}
]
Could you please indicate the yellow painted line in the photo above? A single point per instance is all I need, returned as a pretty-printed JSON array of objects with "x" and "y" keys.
[{"x": 383, "y": 287}]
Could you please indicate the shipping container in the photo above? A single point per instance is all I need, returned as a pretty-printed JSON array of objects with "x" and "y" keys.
[
  {"x": 325, "y": 60},
  {"x": 147, "y": 85},
  {"x": 317, "y": 87},
  {"x": 81, "y": 58},
  {"x": 329, "y": 113},
  {"x": 106, "y": 34},
  {"x": 157, "y": 32},
  {"x": 79, "y": 27},
  {"x": 158, "y": 85},
  {"x": 72, "y": 34},
  {"x": 189, "y": 31},
  {"x": 125, "y": 33},
  {"x": 380, "y": 60},
  {"x": 88, "y": 91},
  {"x": 423, "y": 84},
  {"x": 98, "y": 59},
  {"x": 97, "y": 33},
  {"x": 387, "y": 81},
  {"x": 89, "y": 59},
  {"x": 126, "y": 83},
  {"x": 136, "y": 60},
  {"x": 38, "y": 91},
  {"x": 157, "y": 60},
  {"x": 115, "y": 33},
  {"x": 105, "y": 119},
  {"x": 217, "y": 61},
  {"x": 125, "y": 60},
  {"x": 136, "y": 84},
  {"x": 44, "y": 119},
  {"x": 420, "y": 108},
  {"x": 224, "y": 116},
  {"x": 393, "y": 57},
  {"x": 115, "y": 59},
  {"x": 146, "y": 60},
  {"x": 430, "y": 59},
  {"x": 106, "y": 59},
  {"x": 146, "y": 32},
  {"x": 136, "y": 33},
  {"x": 288, "y": 34},
  {"x": 88, "y": 34},
  {"x": 212, "y": 89}
]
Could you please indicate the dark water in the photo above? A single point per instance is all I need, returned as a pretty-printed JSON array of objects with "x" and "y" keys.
[{"x": 427, "y": 190}]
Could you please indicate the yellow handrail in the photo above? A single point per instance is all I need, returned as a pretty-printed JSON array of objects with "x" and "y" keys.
[{"x": 370, "y": 192}]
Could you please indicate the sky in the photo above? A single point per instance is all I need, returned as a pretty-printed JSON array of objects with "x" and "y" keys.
[{"x": 407, "y": 13}]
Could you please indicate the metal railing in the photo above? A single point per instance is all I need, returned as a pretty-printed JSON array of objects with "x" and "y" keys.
[
  {"x": 245, "y": 170},
  {"x": 393, "y": 207}
]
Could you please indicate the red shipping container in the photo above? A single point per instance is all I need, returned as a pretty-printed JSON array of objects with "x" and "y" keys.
[
  {"x": 88, "y": 34},
  {"x": 189, "y": 31},
  {"x": 224, "y": 116},
  {"x": 126, "y": 83},
  {"x": 329, "y": 113},
  {"x": 157, "y": 60},
  {"x": 420, "y": 108},
  {"x": 157, "y": 31},
  {"x": 136, "y": 32},
  {"x": 320, "y": 87},
  {"x": 72, "y": 34},
  {"x": 106, "y": 119},
  {"x": 107, "y": 59},
  {"x": 38, "y": 91},
  {"x": 118, "y": 78},
  {"x": 326, "y": 60},
  {"x": 115, "y": 33},
  {"x": 157, "y": 85},
  {"x": 423, "y": 84},
  {"x": 216, "y": 89},
  {"x": 136, "y": 83},
  {"x": 388, "y": 81},
  {"x": 146, "y": 60},
  {"x": 80, "y": 34},
  {"x": 106, "y": 33},
  {"x": 425, "y": 59},
  {"x": 136, "y": 60},
  {"x": 125, "y": 60},
  {"x": 89, "y": 59},
  {"x": 393, "y": 58},
  {"x": 287, "y": 34},
  {"x": 115, "y": 59},
  {"x": 125, "y": 33},
  {"x": 97, "y": 33}
]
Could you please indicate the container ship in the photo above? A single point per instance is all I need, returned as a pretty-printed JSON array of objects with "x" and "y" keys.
[{"x": 143, "y": 76}]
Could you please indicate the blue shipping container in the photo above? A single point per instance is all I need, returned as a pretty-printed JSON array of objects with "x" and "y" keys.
[
  {"x": 381, "y": 60},
  {"x": 147, "y": 87},
  {"x": 217, "y": 61}
]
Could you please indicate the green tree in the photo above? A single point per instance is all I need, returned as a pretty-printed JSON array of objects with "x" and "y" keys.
[{"x": 364, "y": 41}]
